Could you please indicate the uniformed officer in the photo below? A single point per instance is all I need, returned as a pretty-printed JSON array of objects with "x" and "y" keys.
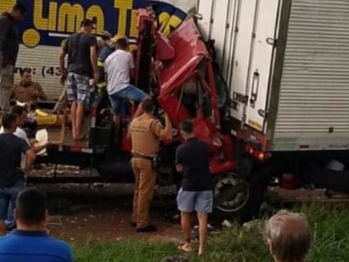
[{"x": 146, "y": 132}]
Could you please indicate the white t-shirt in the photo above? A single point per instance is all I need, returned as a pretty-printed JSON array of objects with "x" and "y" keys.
[
  {"x": 117, "y": 66},
  {"x": 21, "y": 134}
]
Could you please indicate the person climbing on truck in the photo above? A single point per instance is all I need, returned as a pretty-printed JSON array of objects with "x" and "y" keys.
[
  {"x": 119, "y": 69},
  {"x": 81, "y": 49}
]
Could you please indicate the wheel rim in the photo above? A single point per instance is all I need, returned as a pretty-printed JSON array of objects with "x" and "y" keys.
[{"x": 226, "y": 183}]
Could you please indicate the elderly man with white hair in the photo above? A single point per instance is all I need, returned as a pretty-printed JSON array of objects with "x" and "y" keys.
[{"x": 288, "y": 236}]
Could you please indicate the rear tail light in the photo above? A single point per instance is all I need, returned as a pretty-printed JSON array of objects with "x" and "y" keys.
[{"x": 256, "y": 153}]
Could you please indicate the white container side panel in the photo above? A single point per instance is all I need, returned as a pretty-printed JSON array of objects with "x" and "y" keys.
[
  {"x": 238, "y": 83},
  {"x": 205, "y": 9},
  {"x": 44, "y": 63},
  {"x": 219, "y": 27},
  {"x": 261, "y": 62},
  {"x": 313, "y": 106},
  {"x": 229, "y": 43}
]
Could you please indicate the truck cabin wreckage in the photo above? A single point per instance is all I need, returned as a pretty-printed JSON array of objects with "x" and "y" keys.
[{"x": 179, "y": 74}]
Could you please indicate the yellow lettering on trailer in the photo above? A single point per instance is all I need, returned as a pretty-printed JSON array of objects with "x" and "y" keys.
[
  {"x": 168, "y": 23},
  {"x": 69, "y": 17},
  {"x": 96, "y": 12},
  {"x": 6, "y": 5},
  {"x": 65, "y": 18},
  {"x": 124, "y": 7}
]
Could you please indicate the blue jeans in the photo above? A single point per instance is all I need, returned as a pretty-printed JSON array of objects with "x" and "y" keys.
[
  {"x": 8, "y": 196},
  {"x": 130, "y": 93}
]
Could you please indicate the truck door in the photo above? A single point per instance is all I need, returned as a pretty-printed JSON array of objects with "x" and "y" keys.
[
  {"x": 218, "y": 23},
  {"x": 254, "y": 50},
  {"x": 262, "y": 49}
]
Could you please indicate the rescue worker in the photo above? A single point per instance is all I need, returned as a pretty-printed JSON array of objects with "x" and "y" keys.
[
  {"x": 103, "y": 41},
  {"x": 146, "y": 132},
  {"x": 108, "y": 48}
]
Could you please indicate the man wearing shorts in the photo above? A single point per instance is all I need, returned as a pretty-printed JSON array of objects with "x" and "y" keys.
[
  {"x": 82, "y": 66},
  {"x": 119, "y": 68},
  {"x": 192, "y": 159}
]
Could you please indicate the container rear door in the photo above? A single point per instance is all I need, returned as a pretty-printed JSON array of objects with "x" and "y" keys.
[
  {"x": 257, "y": 20},
  {"x": 313, "y": 99},
  {"x": 205, "y": 9},
  {"x": 218, "y": 23},
  {"x": 237, "y": 83},
  {"x": 260, "y": 64}
]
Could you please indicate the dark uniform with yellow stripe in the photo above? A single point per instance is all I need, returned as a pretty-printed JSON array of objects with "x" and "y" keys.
[{"x": 105, "y": 52}]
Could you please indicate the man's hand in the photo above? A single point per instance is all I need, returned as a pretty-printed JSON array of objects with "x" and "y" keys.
[
  {"x": 95, "y": 78},
  {"x": 63, "y": 79},
  {"x": 179, "y": 168},
  {"x": 25, "y": 170}
]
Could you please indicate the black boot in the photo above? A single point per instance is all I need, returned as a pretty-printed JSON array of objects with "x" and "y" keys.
[{"x": 147, "y": 229}]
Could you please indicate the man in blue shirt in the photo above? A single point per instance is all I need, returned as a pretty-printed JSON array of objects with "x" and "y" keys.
[{"x": 31, "y": 242}]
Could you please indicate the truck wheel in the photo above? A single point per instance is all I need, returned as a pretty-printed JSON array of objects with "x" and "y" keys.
[{"x": 243, "y": 204}]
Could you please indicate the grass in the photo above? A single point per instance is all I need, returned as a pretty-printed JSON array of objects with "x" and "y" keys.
[{"x": 329, "y": 226}]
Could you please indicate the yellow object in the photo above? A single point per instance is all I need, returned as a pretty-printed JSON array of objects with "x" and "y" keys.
[
  {"x": 39, "y": 112},
  {"x": 47, "y": 119}
]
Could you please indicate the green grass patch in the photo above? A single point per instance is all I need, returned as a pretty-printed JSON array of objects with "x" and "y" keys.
[{"x": 329, "y": 225}]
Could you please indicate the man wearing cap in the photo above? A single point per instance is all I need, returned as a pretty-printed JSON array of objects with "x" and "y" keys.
[
  {"x": 81, "y": 49},
  {"x": 102, "y": 39}
]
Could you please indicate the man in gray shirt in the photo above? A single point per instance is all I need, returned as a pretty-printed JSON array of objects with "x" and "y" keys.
[
  {"x": 9, "y": 46},
  {"x": 81, "y": 49}
]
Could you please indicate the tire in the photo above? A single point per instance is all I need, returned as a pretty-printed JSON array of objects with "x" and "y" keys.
[{"x": 246, "y": 204}]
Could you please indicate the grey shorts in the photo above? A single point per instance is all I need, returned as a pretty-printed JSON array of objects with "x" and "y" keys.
[
  {"x": 200, "y": 201},
  {"x": 78, "y": 88}
]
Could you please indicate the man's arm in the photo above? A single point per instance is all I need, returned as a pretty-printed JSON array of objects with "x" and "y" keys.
[
  {"x": 160, "y": 131},
  {"x": 30, "y": 156},
  {"x": 132, "y": 67},
  {"x": 41, "y": 92},
  {"x": 106, "y": 71},
  {"x": 38, "y": 149},
  {"x": 94, "y": 59},
  {"x": 13, "y": 92},
  {"x": 178, "y": 160},
  {"x": 30, "y": 160},
  {"x": 5, "y": 28},
  {"x": 62, "y": 67}
]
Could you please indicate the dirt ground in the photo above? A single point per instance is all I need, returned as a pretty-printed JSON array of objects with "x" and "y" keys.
[{"x": 104, "y": 214}]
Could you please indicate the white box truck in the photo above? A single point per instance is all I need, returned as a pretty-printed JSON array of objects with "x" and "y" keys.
[{"x": 286, "y": 64}]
